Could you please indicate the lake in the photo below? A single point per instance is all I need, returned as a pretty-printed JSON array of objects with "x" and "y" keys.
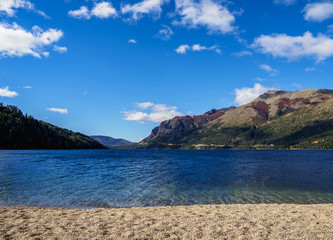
[{"x": 125, "y": 178}]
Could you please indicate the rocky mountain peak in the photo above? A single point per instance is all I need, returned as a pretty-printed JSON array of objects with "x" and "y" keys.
[
  {"x": 275, "y": 120},
  {"x": 177, "y": 126},
  {"x": 274, "y": 104}
]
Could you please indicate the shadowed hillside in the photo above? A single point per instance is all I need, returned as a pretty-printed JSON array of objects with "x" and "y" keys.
[
  {"x": 110, "y": 142},
  {"x": 18, "y": 131}
]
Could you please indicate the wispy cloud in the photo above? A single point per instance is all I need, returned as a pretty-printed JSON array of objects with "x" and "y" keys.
[
  {"x": 268, "y": 68},
  {"x": 144, "y": 105},
  {"x": 27, "y": 87},
  {"x": 309, "y": 69},
  {"x": 132, "y": 41},
  {"x": 5, "y": 92},
  {"x": 153, "y": 113},
  {"x": 260, "y": 79},
  {"x": 296, "y": 85},
  {"x": 247, "y": 94},
  {"x": 183, "y": 49},
  {"x": 285, "y": 2},
  {"x": 59, "y": 49},
  {"x": 15, "y": 41},
  {"x": 58, "y": 110},
  {"x": 242, "y": 54},
  {"x": 165, "y": 33},
  {"x": 293, "y": 48},
  {"x": 9, "y": 7},
  {"x": 330, "y": 28},
  {"x": 146, "y": 7}
]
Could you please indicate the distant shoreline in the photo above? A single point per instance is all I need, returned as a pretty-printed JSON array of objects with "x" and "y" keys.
[
  {"x": 231, "y": 221},
  {"x": 170, "y": 149}
]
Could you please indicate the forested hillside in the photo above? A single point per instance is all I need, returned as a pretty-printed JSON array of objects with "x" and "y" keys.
[{"x": 18, "y": 131}]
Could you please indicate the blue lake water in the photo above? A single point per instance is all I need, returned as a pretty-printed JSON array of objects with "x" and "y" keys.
[{"x": 101, "y": 178}]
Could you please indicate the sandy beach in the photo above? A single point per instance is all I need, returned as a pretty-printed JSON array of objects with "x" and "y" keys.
[{"x": 261, "y": 221}]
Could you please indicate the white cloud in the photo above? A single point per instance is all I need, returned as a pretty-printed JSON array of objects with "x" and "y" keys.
[
  {"x": 165, "y": 33},
  {"x": 154, "y": 113},
  {"x": 58, "y": 110},
  {"x": 145, "y": 105},
  {"x": 182, "y": 49},
  {"x": 103, "y": 10},
  {"x": 293, "y": 48},
  {"x": 100, "y": 10},
  {"x": 197, "y": 47},
  {"x": 205, "y": 13},
  {"x": 82, "y": 12},
  {"x": 9, "y": 7},
  {"x": 138, "y": 10},
  {"x": 59, "y": 49},
  {"x": 285, "y": 2},
  {"x": 132, "y": 41},
  {"x": 310, "y": 69},
  {"x": 5, "y": 92},
  {"x": 16, "y": 41},
  {"x": 242, "y": 54},
  {"x": 27, "y": 87},
  {"x": 318, "y": 12},
  {"x": 268, "y": 68},
  {"x": 246, "y": 94}
]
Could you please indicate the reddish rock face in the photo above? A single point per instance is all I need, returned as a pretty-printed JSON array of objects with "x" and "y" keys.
[
  {"x": 283, "y": 103},
  {"x": 206, "y": 117},
  {"x": 284, "y": 106},
  {"x": 301, "y": 100},
  {"x": 178, "y": 125},
  {"x": 286, "y": 102},
  {"x": 262, "y": 109}
]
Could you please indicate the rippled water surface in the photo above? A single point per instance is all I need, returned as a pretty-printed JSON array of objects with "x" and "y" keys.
[{"x": 101, "y": 178}]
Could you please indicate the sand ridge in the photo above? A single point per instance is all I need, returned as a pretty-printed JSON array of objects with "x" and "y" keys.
[{"x": 234, "y": 221}]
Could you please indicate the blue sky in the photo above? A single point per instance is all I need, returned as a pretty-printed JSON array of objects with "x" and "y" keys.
[{"x": 118, "y": 68}]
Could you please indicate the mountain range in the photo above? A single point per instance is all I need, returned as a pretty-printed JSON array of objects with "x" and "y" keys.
[
  {"x": 275, "y": 120},
  {"x": 110, "y": 142}
]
